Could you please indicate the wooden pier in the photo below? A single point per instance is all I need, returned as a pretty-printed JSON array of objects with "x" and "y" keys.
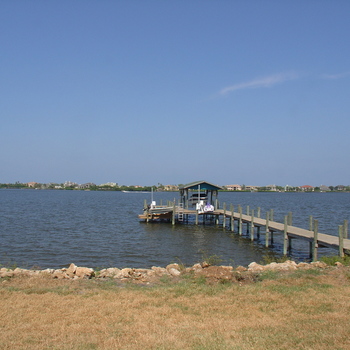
[
  {"x": 205, "y": 193},
  {"x": 255, "y": 226}
]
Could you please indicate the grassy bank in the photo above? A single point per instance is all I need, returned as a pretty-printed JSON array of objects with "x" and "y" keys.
[{"x": 274, "y": 310}]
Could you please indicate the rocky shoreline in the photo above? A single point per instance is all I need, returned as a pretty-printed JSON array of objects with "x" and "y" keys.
[{"x": 172, "y": 271}]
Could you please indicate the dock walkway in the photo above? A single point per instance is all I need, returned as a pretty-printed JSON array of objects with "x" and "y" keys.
[
  {"x": 289, "y": 231},
  {"x": 176, "y": 213}
]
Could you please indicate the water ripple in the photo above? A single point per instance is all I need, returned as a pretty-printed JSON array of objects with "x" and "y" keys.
[{"x": 101, "y": 229}]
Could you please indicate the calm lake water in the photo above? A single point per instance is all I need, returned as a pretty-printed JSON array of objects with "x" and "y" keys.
[{"x": 51, "y": 229}]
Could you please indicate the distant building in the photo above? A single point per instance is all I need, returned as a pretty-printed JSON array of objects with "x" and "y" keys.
[
  {"x": 271, "y": 188},
  {"x": 32, "y": 184},
  {"x": 111, "y": 184},
  {"x": 340, "y": 188},
  {"x": 171, "y": 188},
  {"x": 70, "y": 184},
  {"x": 234, "y": 187},
  {"x": 86, "y": 186},
  {"x": 324, "y": 188},
  {"x": 307, "y": 188},
  {"x": 251, "y": 188}
]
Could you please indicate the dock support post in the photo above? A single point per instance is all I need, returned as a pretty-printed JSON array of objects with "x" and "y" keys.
[
  {"x": 232, "y": 219},
  {"x": 248, "y": 210},
  {"x": 240, "y": 220},
  {"x": 145, "y": 207},
  {"x": 216, "y": 207},
  {"x": 271, "y": 214},
  {"x": 258, "y": 232},
  {"x": 290, "y": 218},
  {"x": 174, "y": 214},
  {"x": 341, "y": 242},
  {"x": 315, "y": 244},
  {"x": 252, "y": 227},
  {"x": 196, "y": 217},
  {"x": 258, "y": 213},
  {"x": 289, "y": 244},
  {"x": 285, "y": 235},
  {"x": 224, "y": 218},
  {"x": 345, "y": 229},
  {"x": 310, "y": 223},
  {"x": 267, "y": 231}
]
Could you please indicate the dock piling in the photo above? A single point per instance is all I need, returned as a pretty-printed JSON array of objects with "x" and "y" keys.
[
  {"x": 240, "y": 222},
  {"x": 285, "y": 235},
  {"x": 341, "y": 240},
  {"x": 315, "y": 241},
  {"x": 267, "y": 232},
  {"x": 345, "y": 229},
  {"x": 232, "y": 219},
  {"x": 252, "y": 226},
  {"x": 174, "y": 214},
  {"x": 224, "y": 218},
  {"x": 311, "y": 223}
]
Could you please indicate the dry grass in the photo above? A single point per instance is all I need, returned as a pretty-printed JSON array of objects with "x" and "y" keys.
[{"x": 304, "y": 311}]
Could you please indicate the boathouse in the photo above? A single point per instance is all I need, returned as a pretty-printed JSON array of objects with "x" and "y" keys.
[{"x": 197, "y": 191}]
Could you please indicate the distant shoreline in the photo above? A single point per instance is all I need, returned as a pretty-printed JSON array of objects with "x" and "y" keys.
[{"x": 147, "y": 192}]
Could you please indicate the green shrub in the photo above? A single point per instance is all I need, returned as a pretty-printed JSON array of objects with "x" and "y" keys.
[
  {"x": 272, "y": 257},
  {"x": 212, "y": 260},
  {"x": 331, "y": 260}
]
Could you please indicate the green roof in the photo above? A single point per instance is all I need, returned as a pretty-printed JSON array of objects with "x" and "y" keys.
[{"x": 203, "y": 186}]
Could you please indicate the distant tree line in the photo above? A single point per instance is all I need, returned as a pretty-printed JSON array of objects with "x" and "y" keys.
[
  {"x": 159, "y": 187},
  {"x": 91, "y": 187}
]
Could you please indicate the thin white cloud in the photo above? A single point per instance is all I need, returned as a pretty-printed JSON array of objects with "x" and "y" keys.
[
  {"x": 264, "y": 82},
  {"x": 336, "y": 76}
]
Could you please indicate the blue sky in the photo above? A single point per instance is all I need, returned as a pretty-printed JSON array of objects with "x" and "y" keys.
[{"x": 147, "y": 92}]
